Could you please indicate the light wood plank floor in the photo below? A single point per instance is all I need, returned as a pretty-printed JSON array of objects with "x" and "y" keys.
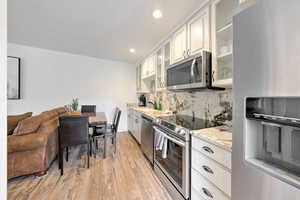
[{"x": 125, "y": 176}]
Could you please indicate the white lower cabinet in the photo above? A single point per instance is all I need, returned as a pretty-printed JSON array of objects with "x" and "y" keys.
[
  {"x": 135, "y": 124},
  {"x": 205, "y": 188},
  {"x": 195, "y": 194},
  {"x": 211, "y": 173}
]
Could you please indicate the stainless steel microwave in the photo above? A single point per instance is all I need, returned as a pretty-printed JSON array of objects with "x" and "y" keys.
[{"x": 192, "y": 73}]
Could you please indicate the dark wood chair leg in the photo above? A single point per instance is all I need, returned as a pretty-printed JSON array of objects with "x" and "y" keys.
[
  {"x": 90, "y": 148},
  {"x": 94, "y": 147},
  {"x": 59, "y": 157},
  {"x": 88, "y": 155},
  {"x": 115, "y": 142},
  {"x": 67, "y": 154},
  {"x": 61, "y": 162},
  {"x": 104, "y": 150},
  {"x": 105, "y": 130}
]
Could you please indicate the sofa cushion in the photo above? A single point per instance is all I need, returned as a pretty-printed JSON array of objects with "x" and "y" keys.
[
  {"x": 49, "y": 126},
  {"x": 29, "y": 125},
  {"x": 48, "y": 115},
  {"x": 60, "y": 110},
  {"x": 13, "y": 120}
]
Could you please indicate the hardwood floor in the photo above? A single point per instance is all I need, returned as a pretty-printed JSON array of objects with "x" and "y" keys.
[{"x": 125, "y": 176}]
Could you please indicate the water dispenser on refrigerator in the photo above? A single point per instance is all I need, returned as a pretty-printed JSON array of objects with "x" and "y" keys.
[{"x": 272, "y": 136}]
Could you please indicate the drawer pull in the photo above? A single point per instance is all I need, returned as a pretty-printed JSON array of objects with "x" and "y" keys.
[
  {"x": 207, "y": 149},
  {"x": 207, "y": 193},
  {"x": 208, "y": 169}
]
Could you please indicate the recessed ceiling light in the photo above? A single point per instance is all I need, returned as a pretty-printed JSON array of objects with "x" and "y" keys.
[
  {"x": 132, "y": 50},
  {"x": 157, "y": 14}
]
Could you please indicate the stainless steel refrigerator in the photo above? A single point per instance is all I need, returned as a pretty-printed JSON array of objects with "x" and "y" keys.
[{"x": 266, "y": 63}]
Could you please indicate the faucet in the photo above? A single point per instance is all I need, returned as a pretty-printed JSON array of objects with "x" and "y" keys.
[{"x": 153, "y": 103}]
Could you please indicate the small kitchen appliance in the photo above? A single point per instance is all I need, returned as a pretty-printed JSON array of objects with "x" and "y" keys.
[
  {"x": 142, "y": 100},
  {"x": 192, "y": 73}
]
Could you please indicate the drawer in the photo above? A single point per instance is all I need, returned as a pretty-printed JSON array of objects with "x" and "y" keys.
[
  {"x": 206, "y": 189},
  {"x": 212, "y": 151},
  {"x": 212, "y": 170},
  {"x": 195, "y": 195}
]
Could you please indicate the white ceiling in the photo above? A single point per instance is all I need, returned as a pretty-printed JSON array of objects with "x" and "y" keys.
[{"x": 97, "y": 28}]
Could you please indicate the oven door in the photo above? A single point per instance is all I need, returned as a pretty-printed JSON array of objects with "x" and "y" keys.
[
  {"x": 175, "y": 163},
  {"x": 187, "y": 74}
]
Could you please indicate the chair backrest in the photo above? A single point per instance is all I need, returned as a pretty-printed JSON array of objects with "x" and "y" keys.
[
  {"x": 116, "y": 124},
  {"x": 73, "y": 130},
  {"x": 115, "y": 115},
  {"x": 88, "y": 108}
]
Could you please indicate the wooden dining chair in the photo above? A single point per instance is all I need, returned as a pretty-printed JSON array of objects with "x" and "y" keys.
[
  {"x": 73, "y": 130},
  {"x": 88, "y": 108}
]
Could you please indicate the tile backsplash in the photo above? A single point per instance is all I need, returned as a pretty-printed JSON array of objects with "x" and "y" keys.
[{"x": 212, "y": 105}]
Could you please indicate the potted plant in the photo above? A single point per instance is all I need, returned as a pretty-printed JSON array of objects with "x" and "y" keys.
[{"x": 74, "y": 106}]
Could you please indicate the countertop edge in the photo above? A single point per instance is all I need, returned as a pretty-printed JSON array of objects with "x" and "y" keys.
[{"x": 199, "y": 136}]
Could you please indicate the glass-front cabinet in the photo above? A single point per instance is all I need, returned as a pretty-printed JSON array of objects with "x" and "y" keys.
[
  {"x": 222, "y": 13},
  {"x": 138, "y": 78},
  {"x": 162, "y": 63},
  {"x": 159, "y": 70}
]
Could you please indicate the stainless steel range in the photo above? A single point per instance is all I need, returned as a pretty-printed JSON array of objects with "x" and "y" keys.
[{"x": 172, "y": 152}]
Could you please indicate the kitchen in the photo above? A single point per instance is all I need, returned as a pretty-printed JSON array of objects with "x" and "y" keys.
[
  {"x": 188, "y": 100},
  {"x": 183, "y": 121}
]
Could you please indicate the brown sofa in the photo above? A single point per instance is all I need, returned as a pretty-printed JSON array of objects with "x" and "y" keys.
[{"x": 34, "y": 144}]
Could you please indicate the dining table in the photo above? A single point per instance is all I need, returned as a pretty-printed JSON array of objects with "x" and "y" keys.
[{"x": 95, "y": 119}]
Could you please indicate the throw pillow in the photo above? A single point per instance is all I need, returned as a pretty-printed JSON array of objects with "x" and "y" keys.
[
  {"x": 29, "y": 125},
  {"x": 13, "y": 120}
]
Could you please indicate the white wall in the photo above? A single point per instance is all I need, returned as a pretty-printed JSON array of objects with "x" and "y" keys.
[
  {"x": 50, "y": 79},
  {"x": 3, "y": 135}
]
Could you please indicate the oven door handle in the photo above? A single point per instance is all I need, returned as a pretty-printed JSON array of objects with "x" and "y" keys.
[{"x": 169, "y": 138}]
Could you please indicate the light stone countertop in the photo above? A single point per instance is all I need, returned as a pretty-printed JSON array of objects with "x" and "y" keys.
[
  {"x": 220, "y": 136},
  {"x": 149, "y": 111}
]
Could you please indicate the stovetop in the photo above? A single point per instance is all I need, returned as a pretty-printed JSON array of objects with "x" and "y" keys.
[{"x": 188, "y": 122}]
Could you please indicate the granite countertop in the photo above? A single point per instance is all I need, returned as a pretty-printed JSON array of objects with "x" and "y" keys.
[
  {"x": 220, "y": 136},
  {"x": 149, "y": 111}
]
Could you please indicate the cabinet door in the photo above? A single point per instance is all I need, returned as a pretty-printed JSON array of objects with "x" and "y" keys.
[
  {"x": 138, "y": 78},
  {"x": 130, "y": 121},
  {"x": 159, "y": 70},
  {"x": 151, "y": 65},
  {"x": 178, "y": 49},
  {"x": 222, "y": 62},
  {"x": 144, "y": 68},
  {"x": 139, "y": 128},
  {"x": 198, "y": 33}
]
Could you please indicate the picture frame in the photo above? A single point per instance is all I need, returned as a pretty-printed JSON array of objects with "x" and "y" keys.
[{"x": 13, "y": 78}]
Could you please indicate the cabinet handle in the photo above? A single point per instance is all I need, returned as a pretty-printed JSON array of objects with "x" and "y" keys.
[
  {"x": 208, "y": 169},
  {"x": 207, "y": 192},
  {"x": 207, "y": 149},
  {"x": 184, "y": 54}
]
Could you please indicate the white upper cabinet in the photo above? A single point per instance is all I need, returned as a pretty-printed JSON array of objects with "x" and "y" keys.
[
  {"x": 198, "y": 33},
  {"x": 162, "y": 63},
  {"x": 178, "y": 45},
  {"x": 148, "y": 67},
  {"x": 222, "y": 62},
  {"x": 192, "y": 38}
]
